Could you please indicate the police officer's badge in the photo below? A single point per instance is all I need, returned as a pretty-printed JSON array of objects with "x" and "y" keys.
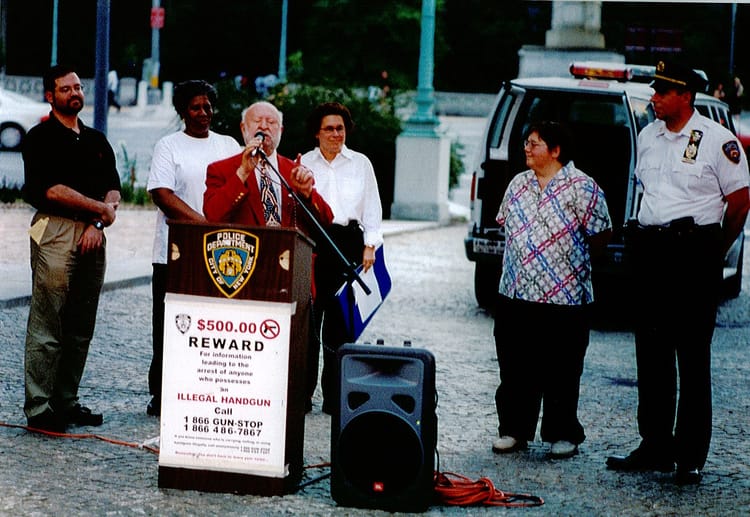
[
  {"x": 732, "y": 151},
  {"x": 182, "y": 322},
  {"x": 230, "y": 258},
  {"x": 691, "y": 151}
]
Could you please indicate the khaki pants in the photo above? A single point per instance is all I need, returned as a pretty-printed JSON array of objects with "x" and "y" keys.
[{"x": 64, "y": 300}]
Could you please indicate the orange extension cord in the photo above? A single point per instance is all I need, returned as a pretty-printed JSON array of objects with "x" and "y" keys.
[
  {"x": 462, "y": 491},
  {"x": 80, "y": 436},
  {"x": 450, "y": 489}
]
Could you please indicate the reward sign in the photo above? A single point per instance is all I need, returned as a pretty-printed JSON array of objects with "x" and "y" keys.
[
  {"x": 225, "y": 389},
  {"x": 230, "y": 258}
]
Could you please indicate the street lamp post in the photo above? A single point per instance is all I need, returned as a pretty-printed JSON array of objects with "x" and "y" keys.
[
  {"x": 282, "y": 45},
  {"x": 423, "y": 121},
  {"x": 53, "y": 57},
  {"x": 420, "y": 190},
  {"x": 731, "y": 40},
  {"x": 102, "y": 66},
  {"x": 154, "y": 75}
]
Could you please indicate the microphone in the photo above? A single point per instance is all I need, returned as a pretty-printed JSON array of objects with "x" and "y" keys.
[{"x": 262, "y": 136}]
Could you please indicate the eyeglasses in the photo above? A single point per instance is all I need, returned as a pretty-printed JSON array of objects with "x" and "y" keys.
[
  {"x": 532, "y": 144},
  {"x": 66, "y": 89},
  {"x": 331, "y": 129}
]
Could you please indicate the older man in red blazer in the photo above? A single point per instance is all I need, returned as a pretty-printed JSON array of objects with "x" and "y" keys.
[{"x": 233, "y": 185}]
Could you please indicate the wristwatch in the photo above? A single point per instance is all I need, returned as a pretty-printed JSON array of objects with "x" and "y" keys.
[{"x": 98, "y": 225}]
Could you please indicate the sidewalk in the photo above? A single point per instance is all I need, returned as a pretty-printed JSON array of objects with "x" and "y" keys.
[
  {"x": 431, "y": 305},
  {"x": 129, "y": 244}
]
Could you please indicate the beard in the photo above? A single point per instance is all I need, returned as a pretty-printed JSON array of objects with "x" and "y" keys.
[{"x": 70, "y": 107}]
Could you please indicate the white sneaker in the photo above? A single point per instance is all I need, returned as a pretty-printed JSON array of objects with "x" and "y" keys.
[
  {"x": 507, "y": 444},
  {"x": 563, "y": 449}
]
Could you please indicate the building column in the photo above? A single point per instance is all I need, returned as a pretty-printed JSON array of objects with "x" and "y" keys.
[
  {"x": 575, "y": 35},
  {"x": 575, "y": 25}
]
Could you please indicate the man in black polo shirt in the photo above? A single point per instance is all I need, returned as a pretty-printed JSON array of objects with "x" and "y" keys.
[{"x": 72, "y": 180}]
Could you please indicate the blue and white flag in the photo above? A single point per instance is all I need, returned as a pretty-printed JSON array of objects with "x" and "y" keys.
[{"x": 378, "y": 280}]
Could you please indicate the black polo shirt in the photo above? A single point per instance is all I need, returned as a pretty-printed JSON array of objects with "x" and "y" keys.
[{"x": 56, "y": 155}]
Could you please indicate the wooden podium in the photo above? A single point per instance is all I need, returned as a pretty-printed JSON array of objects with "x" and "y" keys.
[{"x": 235, "y": 347}]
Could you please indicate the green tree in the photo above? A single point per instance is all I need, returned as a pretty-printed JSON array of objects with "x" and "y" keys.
[
  {"x": 482, "y": 39},
  {"x": 349, "y": 42}
]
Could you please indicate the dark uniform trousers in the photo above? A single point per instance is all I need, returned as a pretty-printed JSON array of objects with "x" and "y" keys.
[{"x": 677, "y": 278}]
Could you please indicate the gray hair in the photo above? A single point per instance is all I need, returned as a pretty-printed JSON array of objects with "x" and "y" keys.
[{"x": 263, "y": 103}]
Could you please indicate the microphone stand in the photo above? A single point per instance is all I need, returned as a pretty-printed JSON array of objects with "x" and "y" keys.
[{"x": 351, "y": 272}]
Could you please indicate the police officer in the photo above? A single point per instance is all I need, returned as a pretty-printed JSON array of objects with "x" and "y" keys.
[{"x": 694, "y": 175}]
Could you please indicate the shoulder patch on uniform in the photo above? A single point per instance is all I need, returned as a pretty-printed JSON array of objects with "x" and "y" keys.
[{"x": 732, "y": 151}]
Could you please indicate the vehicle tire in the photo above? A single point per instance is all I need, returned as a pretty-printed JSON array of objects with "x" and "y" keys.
[
  {"x": 733, "y": 285},
  {"x": 486, "y": 279},
  {"x": 11, "y": 137}
]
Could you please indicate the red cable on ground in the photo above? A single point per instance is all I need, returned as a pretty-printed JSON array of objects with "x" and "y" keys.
[
  {"x": 462, "y": 491},
  {"x": 459, "y": 491},
  {"x": 86, "y": 435}
]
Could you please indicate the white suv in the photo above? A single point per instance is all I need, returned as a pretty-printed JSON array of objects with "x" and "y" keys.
[{"x": 605, "y": 108}]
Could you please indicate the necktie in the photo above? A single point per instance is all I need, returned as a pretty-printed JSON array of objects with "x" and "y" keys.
[{"x": 268, "y": 198}]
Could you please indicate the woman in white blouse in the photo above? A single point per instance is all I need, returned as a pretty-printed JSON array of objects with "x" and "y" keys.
[{"x": 346, "y": 180}]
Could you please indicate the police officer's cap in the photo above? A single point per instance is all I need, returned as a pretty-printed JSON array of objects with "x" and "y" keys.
[{"x": 670, "y": 75}]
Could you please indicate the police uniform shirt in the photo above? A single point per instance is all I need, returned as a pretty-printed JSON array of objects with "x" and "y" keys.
[{"x": 688, "y": 174}]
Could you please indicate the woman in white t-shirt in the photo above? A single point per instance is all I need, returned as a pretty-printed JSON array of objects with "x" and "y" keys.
[{"x": 176, "y": 182}]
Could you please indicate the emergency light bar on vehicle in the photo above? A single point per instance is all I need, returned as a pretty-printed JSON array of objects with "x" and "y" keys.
[
  {"x": 618, "y": 71},
  {"x": 601, "y": 70}
]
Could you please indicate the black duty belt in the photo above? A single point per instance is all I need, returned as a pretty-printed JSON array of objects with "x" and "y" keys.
[{"x": 684, "y": 226}]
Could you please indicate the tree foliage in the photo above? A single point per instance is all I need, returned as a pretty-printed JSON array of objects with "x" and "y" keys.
[{"x": 347, "y": 42}]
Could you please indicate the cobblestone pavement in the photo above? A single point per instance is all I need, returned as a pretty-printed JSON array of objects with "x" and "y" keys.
[{"x": 432, "y": 305}]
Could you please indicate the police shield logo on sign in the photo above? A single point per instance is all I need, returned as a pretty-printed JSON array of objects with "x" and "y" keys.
[
  {"x": 182, "y": 322},
  {"x": 230, "y": 258}
]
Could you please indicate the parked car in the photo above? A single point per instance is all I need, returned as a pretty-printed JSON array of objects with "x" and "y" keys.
[
  {"x": 18, "y": 114},
  {"x": 605, "y": 107}
]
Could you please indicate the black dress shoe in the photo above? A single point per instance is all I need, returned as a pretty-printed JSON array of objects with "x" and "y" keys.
[
  {"x": 639, "y": 461},
  {"x": 80, "y": 415},
  {"x": 687, "y": 476},
  {"x": 47, "y": 421},
  {"x": 154, "y": 407}
]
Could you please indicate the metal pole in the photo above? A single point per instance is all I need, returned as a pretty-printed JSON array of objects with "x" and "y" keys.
[
  {"x": 102, "y": 65},
  {"x": 154, "y": 76},
  {"x": 4, "y": 35},
  {"x": 282, "y": 45},
  {"x": 53, "y": 58},
  {"x": 731, "y": 41},
  {"x": 424, "y": 121}
]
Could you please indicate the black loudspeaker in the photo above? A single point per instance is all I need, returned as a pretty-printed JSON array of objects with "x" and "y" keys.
[{"x": 384, "y": 436}]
